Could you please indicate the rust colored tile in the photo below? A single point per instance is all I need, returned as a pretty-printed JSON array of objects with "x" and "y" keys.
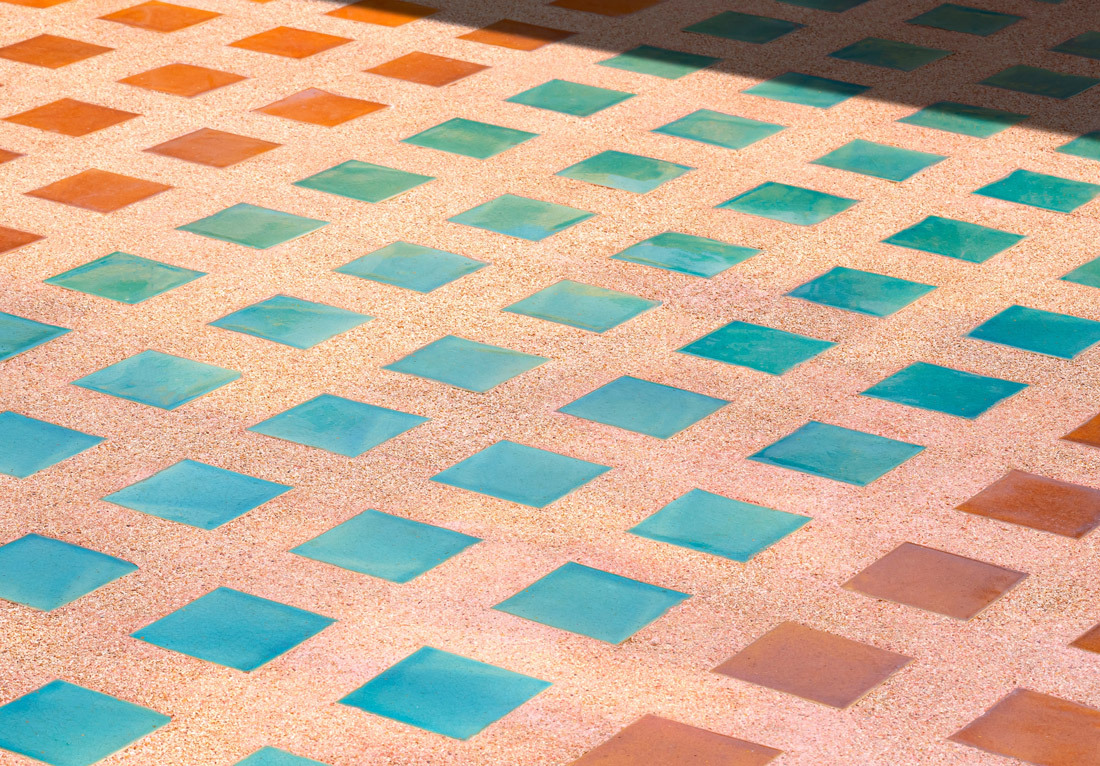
[
  {"x": 1040, "y": 503},
  {"x": 1037, "y": 728},
  {"x": 11, "y": 239},
  {"x": 35, "y": 3},
  {"x": 812, "y": 664},
  {"x": 656, "y": 741},
  {"x": 387, "y": 13},
  {"x": 71, "y": 117},
  {"x": 427, "y": 69},
  {"x": 935, "y": 580},
  {"x": 99, "y": 190},
  {"x": 51, "y": 51},
  {"x": 606, "y": 7},
  {"x": 1089, "y": 641},
  {"x": 160, "y": 17},
  {"x": 517, "y": 35},
  {"x": 1086, "y": 433},
  {"x": 6, "y": 156},
  {"x": 182, "y": 79},
  {"x": 320, "y": 107},
  {"x": 290, "y": 42},
  {"x": 213, "y": 147}
]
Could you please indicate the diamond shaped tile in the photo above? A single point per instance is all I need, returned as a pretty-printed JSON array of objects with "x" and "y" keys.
[
  {"x": 46, "y": 574},
  {"x": 28, "y": 445},
  {"x": 967, "y": 120},
  {"x": 879, "y": 160},
  {"x": 661, "y": 742},
  {"x": 627, "y": 172},
  {"x": 863, "y": 292},
  {"x": 659, "y": 62},
  {"x": 834, "y": 6},
  {"x": 644, "y": 407},
  {"x": 291, "y": 42},
  {"x": 71, "y": 117},
  {"x": 51, "y": 51},
  {"x": 339, "y": 425},
  {"x": 18, "y": 334},
  {"x": 466, "y": 364},
  {"x": 727, "y": 130},
  {"x": 364, "y": 181},
  {"x": 185, "y": 80},
  {"x": 292, "y": 321},
  {"x": 606, "y": 7},
  {"x": 1087, "y": 433},
  {"x": 1043, "y": 332},
  {"x": 584, "y": 306},
  {"x": 413, "y": 267},
  {"x": 686, "y": 254},
  {"x": 13, "y": 239},
  {"x": 158, "y": 379},
  {"x": 1048, "y": 192},
  {"x": 215, "y": 148},
  {"x": 1086, "y": 44},
  {"x": 757, "y": 347},
  {"x": 570, "y": 98},
  {"x": 253, "y": 226},
  {"x": 273, "y": 756},
  {"x": 319, "y": 107},
  {"x": 385, "y": 13},
  {"x": 942, "y": 389},
  {"x": 1086, "y": 274},
  {"x": 1087, "y": 146},
  {"x": 745, "y": 27},
  {"x": 1040, "y": 82},
  {"x": 521, "y": 217},
  {"x": 99, "y": 190},
  {"x": 955, "y": 239},
  {"x": 125, "y": 278},
  {"x": 470, "y": 138},
  {"x": 963, "y": 18},
  {"x": 517, "y": 35},
  {"x": 790, "y": 204},
  {"x": 840, "y": 454},
  {"x": 806, "y": 89},
  {"x": 156, "y": 16},
  {"x": 1089, "y": 640},
  {"x": 1038, "y": 502},
  {"x": 889, "y": 54},
  {"x": 427, "y": 69}
]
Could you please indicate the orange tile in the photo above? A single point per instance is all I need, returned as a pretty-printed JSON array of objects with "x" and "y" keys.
[
  {"x": 71, "y": 117},
  {"x": 1040, "y": 503},
  {"x": 11, "y": 239},
  {"x": 427, "y": 69},
  {"x": 213, "y": 147},
  {"x": 99, "y": 190},
  {"x": 51, "y": 51},
  {"x": 387, "y": 13},
  {"x": 182, "y": 79},
  {"x": 606, "y": 7},
  {"x": 35, "y": 3},
  {"x": 6, "y": 156},
  {"x": 290, "y": 42},
  {"x": 161, "y": 17},
  {"x": 320, "y": 107},
  {"x": 517, "y": 35},
  {"x": 656, "y": 741},
  {"x": 1089, "y": 641},
  {"x": 1086, "y": 433}
]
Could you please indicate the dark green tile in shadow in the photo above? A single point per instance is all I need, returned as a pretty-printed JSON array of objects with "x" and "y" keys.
[
  {"x": 291, "y": 321},
  {"x": 757, "y": 347},
  {"x": 806, "y": 89},
  {"x": 963, "y": 18},
  {"x": 955, "y": 239},
  {"x": 790, "y": 204},
  {"x": 570, "y": 98},
  {"x": 363, "y": 181},
  {"x": 1024, "y": 187},
  {"x": 976, "y": 121},
  {"x": 125, "y": 278},
  {"x": 470, "y": 138},
  {"x": 46, "y": 574},
  {"x": 659, "y": 62},
  {"x": 644, "y": 407},
  {"x": 727, "y": 130},
  {"x": 18, "y": 334},
  {"x": 1043, "y": 332},
  {"x": 158, "y": 379},
  {"x": 1087, "y": 274},
  {"x": 890, "y": 54},
  {"x": 686, "y": 254},
  {"x": 879, "y": 160},
  {"x": 861, "y": 291},
  {"x": 339, "y": 425},
  {"x": 253, "y": 226},
  {"x": 942, "y": 389},
  {"x": 522, "y": 217},
  {"x": 466, "y": 364},
  {"x": 626, "y": 172},
  {"x": 413, "y": 267},
  {"x": 273, "y": 756},
  {"x": 1039, "y": 82},
  {"x": 584, "y": 306},
  {"x": 1087, "y": 146},
  {"x": 28, "y": 446},
  {"x": 1086, "y": 44},
  {"x": 834, "y": 6},
  {"x": 744, "y": 27}
]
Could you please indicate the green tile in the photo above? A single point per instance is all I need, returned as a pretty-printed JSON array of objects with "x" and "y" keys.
[
  {"x": 291, "y": 321},
  {"x": 977, "y": 121},
  {"x": 1087, "y": 146},
  {"x": 413, "y": 267},
  {"x": 963, "y": 18},
  {"x": 47, "y": 574},
  {"x": 125, "y": 278},
  {"x": 879, "y": 160},
  {"x": 644, "y": 407},
  {"x": 659, "y": 62},
  {"x": 1086, "y": 44},
  {"x": 273, "y": 756},
  {"x": 834, "y": 6},
  {"x": 727, "y": 130},
  {"x": 1087, "y": 274},
  {"x": 158, "y": 380},
  {"x": 1025, "y": 187},
  {"x": 806, "y": 89},
  {"x": 790, "y": 204},
  {"x": 1043, "y": 332},
  {"x": 744, "y": 27},
  {"x": 584, "y": 306},
  {"x": 861, "y": 291},
  {"x": 1039, "y": 82},
  {"x": 28, "y": 446},
  {"x": 942, "y": 389},
  {"x": 890, "y": 54},
  {"x": 466, "y": 364},
  {"x": 627, "y": 172},
  {"x": 522, "y": 217},
  {"x": 363, "y": 181},
  {"x": 570, "y": 97},
  {"x": 955, "y": 239},
  {"x": 18, "y": 334},
  {"x": 252, "y": 226},
  {"x": 757, "y": 347},
  {"x": 686, "y": 254},
  {"x": 470, "y": 138}
]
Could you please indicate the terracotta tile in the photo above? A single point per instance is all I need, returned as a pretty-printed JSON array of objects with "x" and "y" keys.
[
  {"x": 656, "y": 741},
  {"x": 606, "y": 7},
  {"x": 213, "y": 147},
  {"x": 320, "y": 107},
  {"x": 182, "y": 79},
  {"x": 99, "y": 190},
  {"x": 51, "y": 51},
  {"x": 1086, "y": 433},
  {"x": 1089, "y": 641},
  {"x": 160, "y": 17},
  {"x": 387, "y": 13},
  {"x": 11, "y": 239},
  {"x": 517, "y": 35},
  {"x": 71, "y": 117},
  {"x": 35, "y": 3},
  {"x": 935, "y": 580},
  {"x": 818, "y": 666},
  {"x": 290, "y": 42},
  {"x": 1036, "y": 728},
  {"x": 427, "y": 69},
  {"x": 1038, "y": 502},
  {"x": 6, "y": 156}
]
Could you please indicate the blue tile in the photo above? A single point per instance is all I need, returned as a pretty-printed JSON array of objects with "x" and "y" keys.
[
  {"x": 273, "y": 756},
  {"x": 1024, "y": 187},
  {"x": 584, "y": 306},
  {"x": 363, "y": 181},
  {"x": 807, "y": 90},
  {"x": 967, "y": 120},
  {"x": 757, "y": 347},
  {"x": 720, "y": 129},
  {"x": 879, "y": 160},
  {"x": 1086, "y": 45},
  {"x": 861, "y": 291},
  {"x": 18, "y": 334},
  {"x": 626, "y": 172},
  {"x": 963, "y": 18},
  {"x": 1040, "y": 82},
  {"x": 157, "y": 379},
  {"x": 833, "y": 6},
  {"x": 570, "y": 98},
  {"x": 466, "y": 364},
  {"x": 955, "y": 239},
  {"x": 744, "y": 27},
  {"x": 889, "y": 54},
  {"x": 413, "y": 267},
  {"x": 253, "y": 226},
  {"x": 1043, "y": 332},
  {"x": 28, "y": 445},
  {"x": 520, "y": 217},
  {"x": 644, "y": 407},
  {"x": 1086, "y": 274},
  {"x": 1087, "y": 146},
  {"x": 686, "y": 254},
  {"x": 125, "y": 278},
  {"x": 470, "y": 138},
  {"x": 942, "y": 389},
  {"x": 790, "y": 204},
  {"x": 291, "y": 321},
  {"x": 45, "y": 574},
  {"x": 659, "y": 62}
]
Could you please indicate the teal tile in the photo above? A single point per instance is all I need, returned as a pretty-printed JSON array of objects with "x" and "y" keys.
[
  {"x": 1039, "y": 82},
  {"x": 1087, "y": 146},
  {"x": 726, "y": 130},
  {"x": 942, "y": 389},
  {"x": 466, "y": 363},
  {"x": 719, "y": 525},
  {"x": 28, "y": 446},
  {"x": 18, "y": 334},
  {"x": 272, "y": 756},
  {"x": 363, "y": 181},
  {"x": 686, "y": 254},
  {"x": 291, "y": 321},
  {"x": 836, "y": 453},
  {"x": 1024, "y": 187},
  {"x": 521, "y": 217},
  {"x": 390, "y": 547},
  {"x": 1044, "y": 332},
  {"x": 955, "y": 239},
  {"x": 963, "y": 18},
  {"x": 1086, "y": 44},
  {"x": 339, "y": 425},
  {"x": 520, "y": 474},
  {"x": 125, "y": 278},
  {"x": 63, "y": 724},
  {"x": 253, "y": 226},
  {"x": 879, "y": 160},
  {"x": 757, "y": 347},
  {"x": 627, "y": 172},
  {"x": 570, "y": 98},
  {"x": 413, "y": 267},
  {"x": 470, "y": 138},
  {"x": 445, "y": 693},
  {"x": 861, "y": 291},
  {"x": 834, "y": 6},
  {"x": 197, "y": 494},
  {"x": 659, "y": 62},
  {"x": 1087, "y": 274},
  {"x": 157, "y": 379},
  {"x": 584, "y": 306},
  {"x": 45, "y": 574},
  {"x": 592, "y": 602},
  {"x": 234, "y": 629},
  {"x": 790, "y": 204},
  {"x": 952, "y": 117},
  {"x": 744, "y": 27},
  {"x": 644, "y": 407},
  {"x": 807, "y": 89},
  {"x": 889, "y": 54}
]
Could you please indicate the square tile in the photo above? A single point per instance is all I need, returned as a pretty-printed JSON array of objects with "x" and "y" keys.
[
  {"x": 686, "y": 254},
  {"x": 160, "y": 17},
  {"x": 1089, "y": 640},
  {"x": 522, "y": 217},
  {"x": 517, "y": 35},
  {"x": 727, "y": 130},
  {"x": 834, "y": 6},
  {"x": 18, "y": 334},
  {"x": 592, "y": 602},
  {"x": 520, "y": 474},
  {"x": 335, "y": 424},
  {"x": 935, "y": 580},
  {"x": 51, "y": 51},
  {"x": 757, "y": 347},
  {"x": 790, "y": 204},
  {"x": 863, "y": 292},
  {"x": 812, "y": 664},
  {"x": 583, "y": 306},
  {"x": 381, "y": 545},
  {"x": 1024, "y": 187},
  {"x": 197, "y": 494},
  {"x": 1087, "y": 146},
  {"x": 385, "y": 13},
  {"x": 659, "y": 62},
  {"x": 1040, "y": 82},
  {"x": 215, "y": 148},
  {"x": 427, "y": 69},
  {"x": 1085, "y": 274},
  {"x": 158, "y": 380},
  {"x": 125, "y": 278},
  {"x": 606, "y": 7},
  {"x": 744, "y": 27},
  {"x": 46, "y": 574},
  {"x": 1086, "y": 433},
  {"x": 273, "y": 756},
  {"x": 363, "y": 181},
  {"x": 1070, "y": 510},
  {"x": 626, "y": 172},
  {"x": 963, "y": 18},
  {"x": 253, "y": 226},
  {"x": 840, "y": 454},
  {"x": 661, "y": 742},
  {"x": 807, "y": 90},
  {"x": 291, "y": 321},
  {"x": 889, "y": 54},
  {"x": 185, "y": 80},
  {"x": 1086, "y": 44},
  {"x": 879, "y": 160},
  {"x": 955, "y": 239},
  {"x": 445, "y": 693},
  {"x": 71, "y": 117},
  {"x": 942, "y": 389},
  {"x": 644, "y": 407},
  {"x": 234, "y": 629},
  {"x": 63, "y": 724},
  {"x": 1043, "y": 332},
  {"x": 28, "y": 446},
  {"x": 570, "y": 97},
  {"x": 964, "y": 119},
  {"x": 470, "y": 138},
  {"x": 99, "y": 190},
  {"x": 465, "y": 363},
  {"x": 319, "y": 107},
  {"x": 290, "y": 42},
  {"x": 412, "y": 267}
]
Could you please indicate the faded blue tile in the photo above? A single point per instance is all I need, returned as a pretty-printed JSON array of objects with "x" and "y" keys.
[
  {"x": 1025, "y": 187},
  {"x": 1086, "y": 45},
  {"x": 955, "y": 239},
  {"x": 879, "y": 160},
  {"x": 570, "y": 98},
  {"x": 413, "y": 267},
  {"x": 889, "y": 54},
  {"x": 719, "y": 129},
  {"x": 28, "y": 446},
  {"x": 1040, "y": 82},
  {"x": 470, "y": 138},
  {"x": 644, "y": 407},
  {"x": 834, "y": 6},
  {"x": 45, "y": 574},
  {"x": 1044, "y": 332},
  {"x": 659, "y": 62},
  {"x": 758, "y": 347},
  {"x": 466, "y": 363},
  {"x": 627, "y": 172},
  {"x": 963, "y": 18},
  {"x": 253, "y": 226},
  {"x": 1087, "y": 146},
  {"x": 942, "y": 389},
  {"x": 861, "y": 291},
  {"x": 18, "y": 334},
  {"x": 157, "y": 379},
  {"x": 1086, "y": 274},
  {"x": 744, "y": 27},
  {"x": 291, "y": 321},
  {"x": 686, "y": 254},
  {"x": 272, "y": 756},
  {"x": 125, "y": 278},
  {"x": 363, "y": 181},
  {"x": 807, "y": 89},
  {"x": 584, "y": 306},
  {"x": 790, "y": 204},
  {"x": 967, "y": 120},
  {"x": 521, "y": 217}
]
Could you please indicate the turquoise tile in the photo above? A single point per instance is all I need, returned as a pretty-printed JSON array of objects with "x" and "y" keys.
[
  {"x": 592, "y": 602},
  {"x": 363, "y": 181},
  {"x": 413, "y": 267},
  {"x": 757, "y": 347},
  {"x": 955, "y": 239},
  {"x": 719, "y": 525},
  {"x": 521, "y": 217},
  {"x": 45, "y": 574},
  {"x": 1039, "y": 82},
  {"x": 470, "y": 138},
  {"x": 570, "y": 98},
  {"x": 1087, "y": 146},
  {"x": 644, "y": 407},
  {"x": 1086, "y": 44},
  {"x": 466, "y": 363},
  {"x": 834, "y": 6},
  {"x": 445, "y": 693},
  {"x": 1087, "y": 274},
  {"x": 627, "y": 172},
  {"x": 806, "y": 89},
  {"x": 1025, "y": 187},
  {"x": 686, "y": 254},
  {"x": 339, "y": 425},
  {"x": 197, "y": 494},
  {"x": 291, "y": 321},
  {"x": 952, "y": 117},
  {"x": 18, "y": 334},
  {"x": 584, "y": 306},
  {"x": 659, "y": 62},
  {"x": 272, "y": 756},
  {"x": 520, "y": 474},
  {"x": 28, "y": 446},
  {"x": 125, "y": 278},
  {"x": 252, "y": 226},
  {"x": 234, "y": 629},
  {"x": 63, "y": 724},
  {"x": 889, "y": 54},
  {"x": 942, "y": 389},
  {"x": 790, "y": 204},
  {"x": 841, "y": 454},
  {"x": 745, "y": 27},
  {"x": 726, "y": 130},
  {"x": 157, "y": 379},
  {"x": 1043, "y": 332},
  {"x": 861, "y": 291},
  {"x": 963, "y": 18},
  {"x": 390, "y": 547},
  {"x": 879, "y": 160}
]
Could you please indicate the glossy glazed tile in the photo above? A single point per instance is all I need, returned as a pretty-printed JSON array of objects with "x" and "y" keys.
[
  {"x": 790, "y": 204},
  {"x": 517, "y": 35},
  {"x": 19, "y": 334},
  {"x": 587, "y": 307},
  {"x": 686, "y": 254},
  {"x": 124, "y": 277},
  {"x": 879, "y": 160},
  {"x": 185, "y": 80},
  {"x": 659, "y": 62},
  {"x": 863, "y": 292},
  {"x": 51, "y": 51},
  {"x": 319, "y": 107},
  {"x": 943, "y": 389},
  {"x": 363, "y": 181},
  {"x": 470, "y": 138},
  {"x": 29, "y": 445},
  {"x": 757, "y": 347},
  {"x": 427, "y": 69},
  {"x": 291, "y": 42},
  {"x": 1087, "y": 146},
  {"x": 955, "y": 239},
  {"x": 1048, "y": 192},
  {"x": 890, "y": 54},
  {"x": 522, "y": 217},
  {"x": 156, "y": 16},
  {"x": 158, "y": 379},
  {"x": 745, "y": 27},
  {"x": 47, "y": 574},
  {"x": 1039, "y": 331},
  {"x": 967, "y": 120},
  {"x": 807, "y": 90},
  {"x": 1040, "y": 82},
  {"x": 413, "y": 267},
  {"x": 291, "y": 321},
  {"x": 466, "y": 364},
  {"x": 663, "y": 742},
  {"x": 71, "y": 117},
  {"x": 386, "y": 13},
  {"x": 644, "y": 407},
  {"x": 1038, "y": 502},
  {"x": 720, "y": 129},
  {"x": 627, "y": 172},
  {"x": 215, "y": 148},
  {"x": 966, "y": 19},
  {"x": 570, "y": 97},
  {"x": 253, "y": 226}
]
